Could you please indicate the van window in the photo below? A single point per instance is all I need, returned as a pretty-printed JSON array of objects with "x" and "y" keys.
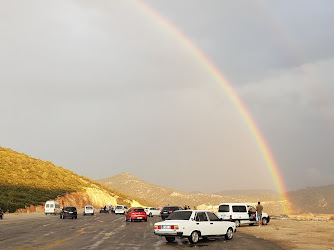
[
  {"x": 240, "y": 209},
  {"x": 57, "y": 205},
  {"x": 47, "y": 205},
  {"x": 51, "y": 205},
  {"x": 224, "y": 208}
]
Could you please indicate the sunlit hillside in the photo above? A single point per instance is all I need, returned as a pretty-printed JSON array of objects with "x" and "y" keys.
[
  {"x": 26, "y": 181},
  {"x": 130, "y": 184}
]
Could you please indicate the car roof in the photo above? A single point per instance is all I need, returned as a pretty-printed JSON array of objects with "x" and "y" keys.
[
  {"x": 234, "y": 204},
  {"x": 190, "y": 210}
]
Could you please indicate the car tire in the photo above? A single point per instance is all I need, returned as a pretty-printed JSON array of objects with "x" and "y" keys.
[
  {"x": 194, "y": 237},
  {"x": 170, "y": 239},
  {"x": 92, "y": 214},
  {"x": 63, "y": 217},
  {"x": 76, "y": 217},
  {"x": 145, "y": 220},
  {"x": 237, "y": 223},
  {"x": 84, "y": 214},
  {"x": 264, "y": 221},
  {"x": 251, "y": 224},
  {"x": 150, "y": 215},
  {"x": 229, "y": 234}
]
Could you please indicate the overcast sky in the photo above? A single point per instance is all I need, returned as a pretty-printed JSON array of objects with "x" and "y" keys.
[{"x": 103, "y": 87}]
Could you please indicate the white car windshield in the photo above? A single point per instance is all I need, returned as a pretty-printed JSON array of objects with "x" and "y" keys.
[{"x": 180, "y": 215}]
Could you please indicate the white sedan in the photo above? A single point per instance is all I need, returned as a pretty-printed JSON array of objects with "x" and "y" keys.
[
  {"x": 194, "y": 224},
  {"x": 152, "y": 211}
]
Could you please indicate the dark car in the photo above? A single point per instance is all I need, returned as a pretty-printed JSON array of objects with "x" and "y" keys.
[
  {"x": 166, "y": 211},
  {"x": 70, "y": 212},
  {"x": 105, "y": 210}
]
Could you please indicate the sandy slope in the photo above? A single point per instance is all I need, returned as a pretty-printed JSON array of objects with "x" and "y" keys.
[{"x": 296, "y": 234}]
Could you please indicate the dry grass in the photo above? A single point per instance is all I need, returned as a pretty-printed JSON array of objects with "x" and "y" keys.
[{"x": 296, "y": 233}]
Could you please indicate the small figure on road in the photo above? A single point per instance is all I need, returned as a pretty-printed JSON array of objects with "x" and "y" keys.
[{"x": 259, "y": 209}]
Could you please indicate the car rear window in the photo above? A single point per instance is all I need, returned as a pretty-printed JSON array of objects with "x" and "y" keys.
[
  {"x": 89, "y": 208},
  {"x": 70, "y": 209},
  {"x": 119, "y": 207},
  {"x": 180, "y": 215},
  {"x": 224, "y": 208},
  {"x": 139, "y": 210},
  {"x": 212, "y": 216}
]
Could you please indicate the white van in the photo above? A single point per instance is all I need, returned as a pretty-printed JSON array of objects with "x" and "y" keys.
[
  {"x": 52, "y": 207},
  {"x": 240, "y": 213},
  {"x": 89, "y": 209}
]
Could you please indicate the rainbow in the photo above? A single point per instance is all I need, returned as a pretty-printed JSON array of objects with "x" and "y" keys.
[{"x": 245, "y": 114}]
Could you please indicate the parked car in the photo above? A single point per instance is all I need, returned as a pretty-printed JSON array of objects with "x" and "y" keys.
[
  {"x": 52, "y": 207},
  {"x": 136, "y": 213},
  {"x": 89, "y": 209},
  {"x": 121, "y": 209},
  {"x": 104, "y": 210},
  {"x": 240, "y": 213},
  {"x": 152, "y": 211},
  {"x": 194, "y": 224},
  {"x": 166, "y": 211},
  {"x": 70, "y": 212}
]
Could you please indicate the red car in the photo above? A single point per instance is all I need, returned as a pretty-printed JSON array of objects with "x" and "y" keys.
[{"x": 136, "y": 213}]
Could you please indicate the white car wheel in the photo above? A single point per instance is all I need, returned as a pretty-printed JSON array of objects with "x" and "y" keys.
[
  {"x": 229, "y": 234},
  {"x": 194, "y": 237},
  {"x": 237, "y": 223}
]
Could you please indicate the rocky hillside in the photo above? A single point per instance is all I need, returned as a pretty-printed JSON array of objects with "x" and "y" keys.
[
  {"x": 313, "y": 200},
  {"x": 130, "y": 184},
  {"x": 26, "y": 181}
]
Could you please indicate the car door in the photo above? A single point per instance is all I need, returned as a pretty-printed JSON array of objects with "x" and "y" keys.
[
  {"x": 217, "y": 227},
  {"x": 202, "y": 223},
  {"x": 243, "y": 214}
]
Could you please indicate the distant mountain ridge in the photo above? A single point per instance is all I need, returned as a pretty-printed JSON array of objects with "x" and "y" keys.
[
  {"x": 309, "y": 200},
  {"x": 130, "y": 184},
  {"x": 313, "y": 200}
]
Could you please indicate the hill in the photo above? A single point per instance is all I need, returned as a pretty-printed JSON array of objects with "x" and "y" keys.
[
  {"x": 130, "y": 184},
  {"x": 26, "y": 181},
  {"x": 313, "y": 200}
]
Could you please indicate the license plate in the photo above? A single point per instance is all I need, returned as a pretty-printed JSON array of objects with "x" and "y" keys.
[
  {"x": 164, "y": 212},
  {"x": 71, "y": 212},
  {"x": 165, "y": 227},
  {"x": 139, "y": 218}
]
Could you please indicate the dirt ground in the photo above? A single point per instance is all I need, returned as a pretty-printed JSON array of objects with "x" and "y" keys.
[{"x": 296, "y": 233}]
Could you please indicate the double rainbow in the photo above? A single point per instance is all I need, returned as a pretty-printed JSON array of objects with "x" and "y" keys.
[{"x": 245, "y": 114}]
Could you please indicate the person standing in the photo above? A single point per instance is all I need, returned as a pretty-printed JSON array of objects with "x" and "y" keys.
[{"x": 259, "y": 209}]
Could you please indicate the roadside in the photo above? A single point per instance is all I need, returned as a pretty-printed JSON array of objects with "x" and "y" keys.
[{"x": 295, "y": 233}]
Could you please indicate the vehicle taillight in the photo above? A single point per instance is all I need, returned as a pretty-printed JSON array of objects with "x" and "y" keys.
[
  {"x": 230, "y": 217},
  {"x": 157, "y": 227},
  {"x": 174, "y": 227},
  {"x": 171, "y": 211},
  {"x": 75, "y": 211},
  {"x": 65, "y": 211}
]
